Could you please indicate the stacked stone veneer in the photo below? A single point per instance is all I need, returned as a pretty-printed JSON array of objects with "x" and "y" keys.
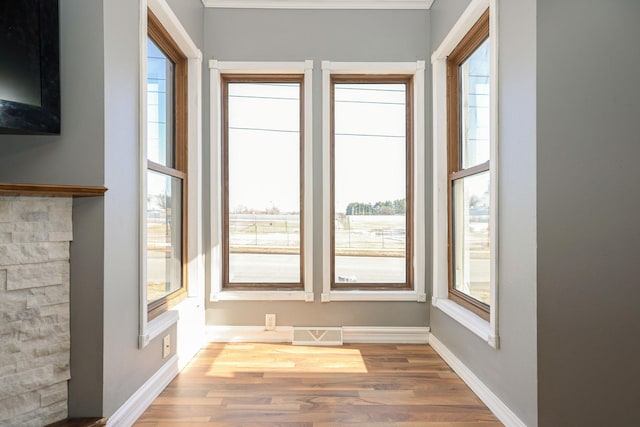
[{"x": 34, "y": 309}]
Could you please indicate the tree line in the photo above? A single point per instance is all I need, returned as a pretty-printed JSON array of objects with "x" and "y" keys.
[{"x": 395, "y": 207}]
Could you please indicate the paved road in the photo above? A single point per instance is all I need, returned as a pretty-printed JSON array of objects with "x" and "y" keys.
[{"x": 284, "y": 268}]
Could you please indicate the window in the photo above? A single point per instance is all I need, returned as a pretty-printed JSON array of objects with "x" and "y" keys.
[
  {"x": 166, "y": 179},
  {"x": 373, "y": 175},
  {"x": 262, "y": 181},
  {"x": 371, "y": 182},
  {"x": 263, "y": 152},
  {"x": 465, "y": 196},
  {"x": 469, "y": 164}
]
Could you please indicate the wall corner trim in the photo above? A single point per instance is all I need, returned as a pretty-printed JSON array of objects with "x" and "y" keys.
[
  {"x": 139, "y": 401},
  {"x": 493, "y": 402}
]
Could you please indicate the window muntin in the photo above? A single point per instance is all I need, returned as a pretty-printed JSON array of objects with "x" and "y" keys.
[
  {"x": 262, "y": 167},
  {"x": 371, "y": 177},
  {"x": 166, "y": 170},
  {"x": 469, "y": 165}
]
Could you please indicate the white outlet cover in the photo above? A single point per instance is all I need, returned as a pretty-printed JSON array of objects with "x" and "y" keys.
[
  {"x": 166, "y": 346},
  {"x": 270, "y": 322}
]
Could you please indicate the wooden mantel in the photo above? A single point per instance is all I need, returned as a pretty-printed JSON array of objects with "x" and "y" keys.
[{"x": 50, "y": 190}]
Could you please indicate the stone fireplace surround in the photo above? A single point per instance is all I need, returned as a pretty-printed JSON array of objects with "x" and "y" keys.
[{"x": 35, "y": 234}]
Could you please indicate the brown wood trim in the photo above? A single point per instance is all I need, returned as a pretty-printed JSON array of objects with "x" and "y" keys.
[
  {"x": 409, "y": 152},
  {"x": 180, "y": 139},
  {"x": 262, "y": 286},
  {"x": 224, "y": 164},
  {"x": 302, "y": 180},
  {"x": 163, "y": 39},
  {"x": 482, "y": 167},
  {"x": 410, "y": 173},
  {"x": 157, "y": 167},
  {"x": 225, "y": 79},
  {"x": 371, "y": 78},
  {"x": 371, "y": 286},
  {"x": 472, "y": 304},
  {"x": 156, "y": 308},
  {"x": 263, "y": 78},
  {"x": 169, "y": 47},
  {"x": 469, "y": 43},
  {"x": 80, "y": 422},
  {"x": 51, "y": 190}
]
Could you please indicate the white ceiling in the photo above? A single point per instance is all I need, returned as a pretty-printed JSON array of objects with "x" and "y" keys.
[{"x": 320, "y": 4}]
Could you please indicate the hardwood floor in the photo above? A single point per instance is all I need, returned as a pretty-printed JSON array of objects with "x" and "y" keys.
[{"x": 241, "y": 384}]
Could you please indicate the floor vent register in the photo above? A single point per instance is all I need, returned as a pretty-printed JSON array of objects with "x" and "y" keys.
[{"x": 317, "y": 335}]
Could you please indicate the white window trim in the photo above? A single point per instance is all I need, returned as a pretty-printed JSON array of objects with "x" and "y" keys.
[
  {"x": 415, "y": 69},
  {"x": 195, "y": 268},
  {"x": 487, "y": 330},
  {"x": 217, "y": 69}
]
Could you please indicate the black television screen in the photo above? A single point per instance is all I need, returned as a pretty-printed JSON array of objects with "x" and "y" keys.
[{"x": 29, "y": 67}]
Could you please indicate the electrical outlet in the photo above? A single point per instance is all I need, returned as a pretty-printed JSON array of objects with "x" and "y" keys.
[
  {"x": 166, "y": 346},
  {"x": 270, "y": 322}
]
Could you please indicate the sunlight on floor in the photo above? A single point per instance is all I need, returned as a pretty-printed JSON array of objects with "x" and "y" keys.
[{"x": 281, "y": 360}]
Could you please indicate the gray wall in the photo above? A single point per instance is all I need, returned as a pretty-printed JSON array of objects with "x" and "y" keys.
[
  {"x": 75, "y": 157},
  {"x": 126, "y": 367},
  {"x": 191, "y": 16},
  {"x": 98, "y": 145},
  {"x": 577, "y": 178},
  {"x": 509, "y": 372},
  {"x": 588, "y": 204},
  {"x": 294, "y": 35}
]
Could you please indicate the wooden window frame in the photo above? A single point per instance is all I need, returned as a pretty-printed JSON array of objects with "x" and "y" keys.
[
  {"x": 409, "y": 284},
  {"x": 225, "y": 79},
  {"x": 169, "y": 47},
  {"x": 478, "y": 33}
]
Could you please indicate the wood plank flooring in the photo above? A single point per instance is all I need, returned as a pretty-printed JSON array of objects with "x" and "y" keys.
[{"x": 241, "y": 384}]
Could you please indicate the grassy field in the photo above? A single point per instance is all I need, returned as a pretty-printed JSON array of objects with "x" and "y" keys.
[{"x": 361, "y": 235}]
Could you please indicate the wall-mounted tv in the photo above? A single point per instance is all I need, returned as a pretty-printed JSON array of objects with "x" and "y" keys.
[{"x": 29, "y": 67}]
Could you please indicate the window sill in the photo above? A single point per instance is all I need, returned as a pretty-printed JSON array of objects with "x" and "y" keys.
[
  {"x": 262, "y": 296},
  {"x": 164, "y": 321},
  {"x": 468, "y": 319},
  {"x": 158, "y": 325},
  {"x": 361, "y": 295}
]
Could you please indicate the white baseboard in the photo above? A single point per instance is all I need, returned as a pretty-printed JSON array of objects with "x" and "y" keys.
[
  {"x": 129, "y": 412},
  {"x": 248, "y": 334},
  {"x": 493, "y": 402},
  {"x": 351, "y": 334},
  {"x": 391, "y": 335}
]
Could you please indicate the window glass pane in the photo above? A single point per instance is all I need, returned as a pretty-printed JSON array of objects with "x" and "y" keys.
[
  {"x": 164, "y": 235},
  {"x": 264, "y": 182},
  {"x": 370, "y": 183},
  {"x": 471, "y": 236},
  {"x": 474, "y": 104},
  {"x": 160, "y": 101}
]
